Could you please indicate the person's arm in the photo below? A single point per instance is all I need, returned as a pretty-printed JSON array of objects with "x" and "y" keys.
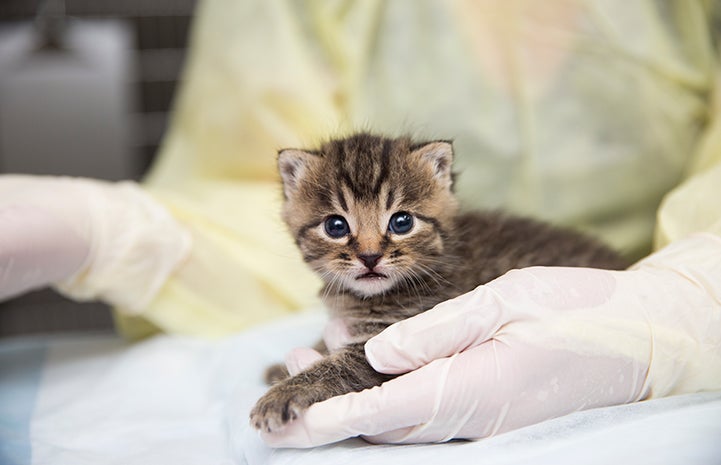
[{"x": 90, "y": 239}]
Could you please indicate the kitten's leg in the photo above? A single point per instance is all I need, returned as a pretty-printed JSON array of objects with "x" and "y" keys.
[
  {"x": 279, "y": 372},
  {"x": 339, "y": 373},
  {"x": 275, "y": 373}
]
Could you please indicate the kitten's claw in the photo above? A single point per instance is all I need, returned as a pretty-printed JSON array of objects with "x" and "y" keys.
[
  {"x": 277, "y": 408},
  {"x": 271, "y": 422}
]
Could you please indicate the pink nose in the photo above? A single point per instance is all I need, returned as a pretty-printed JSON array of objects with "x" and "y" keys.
[{"x": 370, "y": 260}]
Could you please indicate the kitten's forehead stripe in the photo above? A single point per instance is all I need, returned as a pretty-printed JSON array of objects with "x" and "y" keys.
[
  {"x": 391, "y": 198},
  {"x": 321, "y": 194},
  {"x": 342, "y": 201},
  {"x": 350, "y": 185},
  {"x": 385, "y": 163},
  {"x": 362, "y": 163}
]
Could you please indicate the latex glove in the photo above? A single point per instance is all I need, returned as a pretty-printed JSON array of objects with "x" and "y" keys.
[
  {"x": 94, "y": 240},
  {"x": 536, "y": 344}
]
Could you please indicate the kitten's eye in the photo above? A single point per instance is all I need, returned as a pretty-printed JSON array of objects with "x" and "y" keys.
[
  {"x": 336, "y": 226},
  {"x": 400, "y": 223}
]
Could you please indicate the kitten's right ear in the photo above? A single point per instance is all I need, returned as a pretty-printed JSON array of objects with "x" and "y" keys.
[
  {"x": 293, "y": 165},
  {"x": 438, "y": 155}
]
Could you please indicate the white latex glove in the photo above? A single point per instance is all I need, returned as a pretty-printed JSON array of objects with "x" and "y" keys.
[
  {"x": 536, "y": 344},
  {"x": 94, "y": 240}
]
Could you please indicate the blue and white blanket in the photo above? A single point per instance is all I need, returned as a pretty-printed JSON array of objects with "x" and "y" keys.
[{"x": 172, "y": 400}]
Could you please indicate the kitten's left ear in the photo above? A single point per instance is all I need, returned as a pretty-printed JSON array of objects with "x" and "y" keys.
[
  {"x": 439, "y": 155},
  {"x": 293, "y": 165}
]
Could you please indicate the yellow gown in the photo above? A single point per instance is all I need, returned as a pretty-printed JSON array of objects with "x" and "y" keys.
[{"x": 584, "y": 113}]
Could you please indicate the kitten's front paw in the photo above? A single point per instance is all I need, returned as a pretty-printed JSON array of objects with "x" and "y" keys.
[{"x": 279, "y": 406}]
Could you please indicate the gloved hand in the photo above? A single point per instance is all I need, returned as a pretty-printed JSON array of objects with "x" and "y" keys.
[
  {"x": 94, "y": 240},
  {"x": 536, "y": 344}
]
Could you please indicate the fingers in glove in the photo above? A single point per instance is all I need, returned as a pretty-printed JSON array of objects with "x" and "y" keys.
[
  {"x": 447, "y": 329},
  {"x": 299, "y": 359}
]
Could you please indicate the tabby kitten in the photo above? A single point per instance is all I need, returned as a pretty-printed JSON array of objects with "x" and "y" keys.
[{"x": 376, "y": 218}]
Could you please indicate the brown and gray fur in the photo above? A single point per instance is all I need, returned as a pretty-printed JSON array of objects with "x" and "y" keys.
[{"x": 365, "y": 179}]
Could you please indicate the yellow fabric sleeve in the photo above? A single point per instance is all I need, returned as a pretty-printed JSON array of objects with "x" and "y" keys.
[{"x": 695, "y": 205}]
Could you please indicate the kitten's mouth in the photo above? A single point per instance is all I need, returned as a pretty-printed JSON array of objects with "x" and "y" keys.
[{"x": 371, "y": 275}]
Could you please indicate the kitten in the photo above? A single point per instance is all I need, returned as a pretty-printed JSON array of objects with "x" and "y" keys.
[{"x": 376, "y": 218}]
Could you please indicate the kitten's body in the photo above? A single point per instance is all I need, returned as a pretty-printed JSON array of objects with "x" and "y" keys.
[{"x": 375, "y": 275}]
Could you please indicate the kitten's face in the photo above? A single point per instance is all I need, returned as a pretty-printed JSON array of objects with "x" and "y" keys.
[{"x": 368, "y": 213}]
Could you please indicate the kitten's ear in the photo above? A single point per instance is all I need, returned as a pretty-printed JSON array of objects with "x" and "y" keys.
[
  {"x": 293, "y": 165},
  {"x": 439, "y": 154}
]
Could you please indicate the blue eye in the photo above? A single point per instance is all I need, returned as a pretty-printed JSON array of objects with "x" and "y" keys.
[
  {"x": 336, "y": 226},
  {"x": 400, "y": 223}
]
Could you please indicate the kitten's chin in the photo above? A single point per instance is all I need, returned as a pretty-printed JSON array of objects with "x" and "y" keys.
[{"x": 370, "y": 284}]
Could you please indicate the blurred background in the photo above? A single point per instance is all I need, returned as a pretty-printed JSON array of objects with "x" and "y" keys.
[{"x": 86, "y": 87}]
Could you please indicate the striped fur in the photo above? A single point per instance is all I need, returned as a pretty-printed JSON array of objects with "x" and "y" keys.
[{"x": 366, "y": 179}]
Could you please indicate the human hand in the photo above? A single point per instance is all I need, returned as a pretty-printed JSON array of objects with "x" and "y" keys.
[
  {"x": 536, "y": 344},
  {"x": 93, "y": 239}
]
